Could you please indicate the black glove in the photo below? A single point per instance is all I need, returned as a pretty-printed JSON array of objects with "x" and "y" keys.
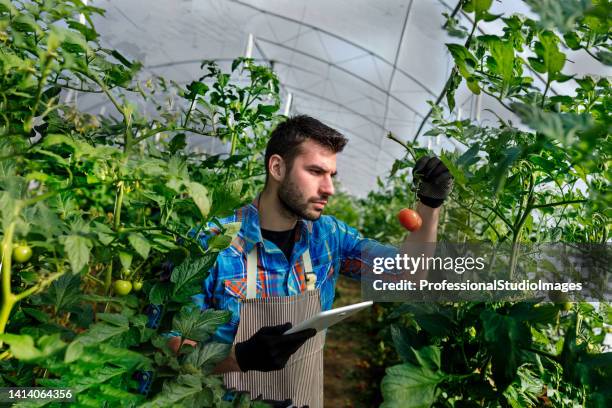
[
  {"x": 288, "y": 403},
  {"x": 269, "y": 349},
  {"x": 433, "y": 181}
]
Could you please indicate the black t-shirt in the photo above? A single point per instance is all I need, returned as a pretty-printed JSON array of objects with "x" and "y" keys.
[{"x": 282, "y": 239}]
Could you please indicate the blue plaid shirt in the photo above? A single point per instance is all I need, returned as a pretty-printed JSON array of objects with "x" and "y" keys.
[{"x": 334, "y": 248}]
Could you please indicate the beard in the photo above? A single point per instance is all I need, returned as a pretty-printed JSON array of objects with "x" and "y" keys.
[{"x": 294, "y": 202}]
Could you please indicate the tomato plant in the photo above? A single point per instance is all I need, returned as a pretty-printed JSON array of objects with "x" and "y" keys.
[
  {"x": 113, "y": 206},
  {"x": 545, "y": 181}
]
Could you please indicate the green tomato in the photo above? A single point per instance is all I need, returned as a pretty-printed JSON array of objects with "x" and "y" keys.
[
  {"x": 137, "y": 285},
  {"x": 22, "y": 253},
  {"x": 122, "y": 287}
]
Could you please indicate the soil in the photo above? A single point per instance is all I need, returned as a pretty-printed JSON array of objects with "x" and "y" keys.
[{"x": 350, "y": 381}]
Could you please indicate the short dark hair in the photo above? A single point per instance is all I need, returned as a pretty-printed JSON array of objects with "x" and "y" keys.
[{"x": 286, "y": 139}]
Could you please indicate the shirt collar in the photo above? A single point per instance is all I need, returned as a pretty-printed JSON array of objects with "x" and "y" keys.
[{"x": 252, "y": 229}]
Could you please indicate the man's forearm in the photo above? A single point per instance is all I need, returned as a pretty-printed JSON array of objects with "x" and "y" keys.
[
  {"x": 422, "y": 242},
  {"x": 227, "y": 365},
  {"x": 429, "y": 229}
]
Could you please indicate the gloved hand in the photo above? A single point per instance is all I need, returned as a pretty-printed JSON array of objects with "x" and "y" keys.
[
  {"x": 269, "y": 349},
  {"x": 432, "y": 180},
  {"x": 288, "y": 403}
]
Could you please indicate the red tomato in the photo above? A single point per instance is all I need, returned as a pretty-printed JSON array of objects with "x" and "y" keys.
[{"x": 410, "y": 219}]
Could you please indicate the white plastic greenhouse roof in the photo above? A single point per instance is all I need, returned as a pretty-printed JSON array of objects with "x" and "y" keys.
[{"x": 364, "y": 67}]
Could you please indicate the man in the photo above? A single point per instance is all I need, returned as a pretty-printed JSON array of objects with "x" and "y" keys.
[{"x": 283, "y": 265}]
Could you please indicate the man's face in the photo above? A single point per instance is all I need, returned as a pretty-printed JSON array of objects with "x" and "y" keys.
[{"x": 307, "y": 186}]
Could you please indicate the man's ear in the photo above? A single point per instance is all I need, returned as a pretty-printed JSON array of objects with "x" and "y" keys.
[{"x": 277, "y": 167}]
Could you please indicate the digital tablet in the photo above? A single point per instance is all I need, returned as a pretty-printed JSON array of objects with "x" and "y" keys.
[{"x": 328, "y": 318}]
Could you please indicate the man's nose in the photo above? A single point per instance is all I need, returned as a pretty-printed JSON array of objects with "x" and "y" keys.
[{"x": 327, "y": 187}]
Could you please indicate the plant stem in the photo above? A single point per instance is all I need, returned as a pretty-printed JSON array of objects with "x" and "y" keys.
[
  {"x": 558, "y": 203},
  {"x": 165, "y": 129},
  {"x": 544, "y": 94},
  {"x": 446, "y": 86},
  {"x": 410, "y": 149},
  {"x": 8, "y": 298},
  {"x": 189, "y": 111},
  {"x": 41, "y": 84},
  {"x": 39, "y": 286},
  {"x": 118, "y": 204}
]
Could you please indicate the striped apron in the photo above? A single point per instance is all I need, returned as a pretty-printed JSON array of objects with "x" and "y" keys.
[{"x": 302, "y": 378}]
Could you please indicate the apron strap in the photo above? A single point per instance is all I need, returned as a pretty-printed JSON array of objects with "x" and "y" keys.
[
  {"x": 311, "y": 277},
  {"x": 251, "y": 282}
]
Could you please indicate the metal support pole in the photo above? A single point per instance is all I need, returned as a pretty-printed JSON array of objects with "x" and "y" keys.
[
  {"x": 248, "y": 52},
  {"x": 288, "y": 104}
]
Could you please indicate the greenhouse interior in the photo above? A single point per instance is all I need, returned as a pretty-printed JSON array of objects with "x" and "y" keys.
[{"x": 266, "y": 203}]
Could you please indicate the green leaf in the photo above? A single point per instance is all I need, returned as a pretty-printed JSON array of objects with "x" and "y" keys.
[
  {"x": 199, "y": 325},
  {"x": 188, "y": 276},
  {"x": 208, "y": 355},
  {"x": 39, "y": 315},
  {"x": 549, "y": 60},
  {"x": 74, "y": 352},
  {"x": 535, "y": 313},
  {"x": 114, "y": 318},
  {"x": 504, "y": 336},
  {"x": 22, "y": 346},
  {"x": 219, "y": 242},
  {"x": 503, "y": 54},
  {"x": 465, "y": 61},
  {"x": 226, "y": 198},
  {"x": 428, "y": 357},
  {"x": 140, "y": 244},
  {"x": 267, "y": 109},
  {"x": 454, "y": 82},
  {"x": 90, "y": 34},
  {"x": 196, "y": 88},
  {"x": 479, "y": 8},
  {"x": 126, "y": 259},
  {"x": 470, "y": 156},
  {"x": 409, "y": 386},
  {"x": 605, "y": 57},
  {"x": 177, "y": 143},
  {"x": 122, "y": 59},
  {"x": 100, "y": 332},
  {"x": 64, "y": 293},
  {"x": 77, "y": 249},
  {"x": 160, "y": 292},
  {"x": 561, "y": 15},
  {"x": 200, "y": 196},
  {"x": 179, "y": 392},
  {"x": 572, "y": 40},
  {"x": 500, "y": 173},
  {"x": 403, "y": 340},
  {"x": 565, "y": 127}
]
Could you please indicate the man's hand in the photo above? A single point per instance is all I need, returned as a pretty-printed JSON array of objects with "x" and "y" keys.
[
  {"x": 269, "y": 349},
  {"x": 433, "y": 181}
]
